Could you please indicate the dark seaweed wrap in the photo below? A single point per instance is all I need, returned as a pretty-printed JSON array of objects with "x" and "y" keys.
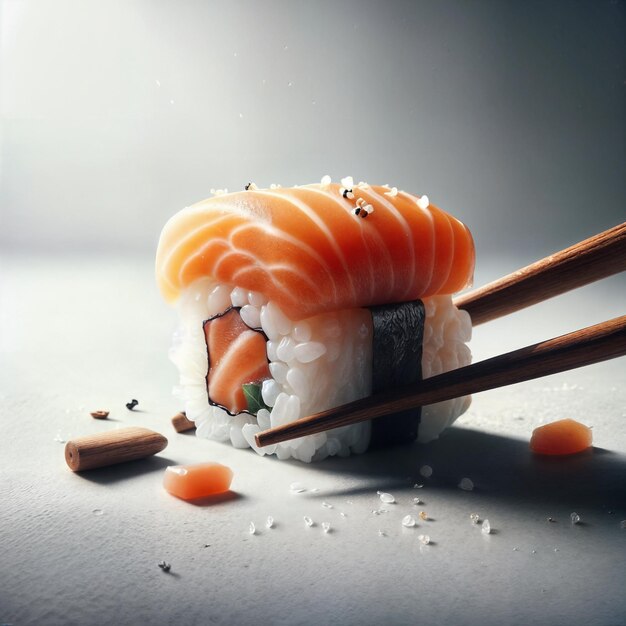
[{"x": 396, "y": 362}]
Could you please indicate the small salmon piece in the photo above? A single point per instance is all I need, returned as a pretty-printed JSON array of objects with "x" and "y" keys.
[
  {"x": 190, "y": 482},
  {"x": 565, "y": 436}
]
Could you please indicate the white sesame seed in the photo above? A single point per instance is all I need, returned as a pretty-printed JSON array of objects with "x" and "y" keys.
[
  {"x": 423, "y": 202},
  {"x": 347, "y": 182},
  {"x": 326, "y": 180}
]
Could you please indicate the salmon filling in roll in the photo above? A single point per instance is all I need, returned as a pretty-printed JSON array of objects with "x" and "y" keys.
[{"x": 237, "y": 360}]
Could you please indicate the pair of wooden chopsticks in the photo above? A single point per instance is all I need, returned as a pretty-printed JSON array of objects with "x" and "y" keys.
[{"x": 592, "y": 259}]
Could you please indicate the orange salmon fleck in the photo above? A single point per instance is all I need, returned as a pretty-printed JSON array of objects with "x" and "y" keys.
[
  {"x": 566, "y": 436},
  {"x": 190, "y": 482}
]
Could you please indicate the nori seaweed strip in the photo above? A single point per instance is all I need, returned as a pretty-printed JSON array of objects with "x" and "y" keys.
[{"x": 398, "y": 331}]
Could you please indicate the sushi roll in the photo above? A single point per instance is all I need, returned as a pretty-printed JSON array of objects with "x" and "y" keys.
[{"x": 295, "y": 300}]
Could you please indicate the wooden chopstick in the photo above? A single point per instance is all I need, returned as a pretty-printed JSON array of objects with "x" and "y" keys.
[
  {"x": 592, "y": 259},
  {"x": 583, "y": 347}
]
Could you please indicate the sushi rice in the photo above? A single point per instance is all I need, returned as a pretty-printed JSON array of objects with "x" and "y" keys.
[{"x": 315, "y": 364}]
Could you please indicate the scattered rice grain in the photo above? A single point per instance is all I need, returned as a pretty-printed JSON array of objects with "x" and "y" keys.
[
  {"x": 387, "y": 498},
  {"x": 426, "y": 471},
  {"x": 466, "y": 484}
]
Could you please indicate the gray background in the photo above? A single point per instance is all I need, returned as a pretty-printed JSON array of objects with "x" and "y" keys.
[{"x": 508, "y": 114}]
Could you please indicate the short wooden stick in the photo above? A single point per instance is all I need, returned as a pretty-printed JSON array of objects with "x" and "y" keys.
[
  {"x": 582, "y": 347},
  {"x": 111, "y": 447},
  {"x": 181, "y": 423},
  {"x": 592, "y": 259}
]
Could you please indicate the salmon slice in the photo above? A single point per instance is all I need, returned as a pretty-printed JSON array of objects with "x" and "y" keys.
[
  {"x": 305, "y": 248},
  {"x": 237, "y": 355},
  {"x": 190, "y": 482},
  {"x": 565, "y": 436}
]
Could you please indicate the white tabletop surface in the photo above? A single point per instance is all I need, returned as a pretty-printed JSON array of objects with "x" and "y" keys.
[{"x": 83, "y": 333}]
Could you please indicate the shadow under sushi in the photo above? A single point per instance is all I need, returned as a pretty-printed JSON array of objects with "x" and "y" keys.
[{"x": 499, "y": 467}]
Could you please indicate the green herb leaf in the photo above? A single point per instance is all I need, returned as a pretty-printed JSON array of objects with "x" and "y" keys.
[{"x": 252, "y": 393}]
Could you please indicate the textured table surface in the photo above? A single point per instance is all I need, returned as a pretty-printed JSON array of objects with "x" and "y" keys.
[{"x": 82, "y": 334}]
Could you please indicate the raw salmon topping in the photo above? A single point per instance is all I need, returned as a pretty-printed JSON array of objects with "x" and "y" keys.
[
  {"x": 237, "y": 356},
  {"x": 306, "y": 249}
]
